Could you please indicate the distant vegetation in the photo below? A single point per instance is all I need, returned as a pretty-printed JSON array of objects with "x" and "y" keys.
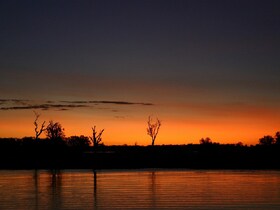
[{"x": 269, "y": 140}]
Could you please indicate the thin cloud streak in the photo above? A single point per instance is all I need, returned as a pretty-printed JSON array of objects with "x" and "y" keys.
[
  {"x": 15, "y": 101},
  {"x": 110, "y": 102},
  {"x": 15, "y": 104},
  {"x": 43, "y": 107}
]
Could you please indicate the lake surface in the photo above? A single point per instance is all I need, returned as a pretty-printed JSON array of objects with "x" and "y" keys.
[{"x": 139, "y": 189}]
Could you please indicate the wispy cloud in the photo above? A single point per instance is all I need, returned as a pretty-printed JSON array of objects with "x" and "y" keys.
[
  {"x": 15, "y": 101},
  {"x": 15, "y": 104},
  {"x": 43, "y": 107},
  {"x": 109, "y": 102}
]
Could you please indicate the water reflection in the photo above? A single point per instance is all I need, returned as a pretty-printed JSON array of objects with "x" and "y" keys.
[
  {"x": 153, "y": 188},
  {"x": 95, "y": 188},
  {"x": 147, "y": 189},
  {"x": 55, "y": 189},
  {"x": 36, "y": 186}
]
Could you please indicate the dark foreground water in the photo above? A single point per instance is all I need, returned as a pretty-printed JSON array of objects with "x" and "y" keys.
[{"x": 139, "y": 189}]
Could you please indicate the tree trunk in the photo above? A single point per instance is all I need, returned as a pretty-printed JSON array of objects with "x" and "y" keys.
[{"x": 153, "y": 142}]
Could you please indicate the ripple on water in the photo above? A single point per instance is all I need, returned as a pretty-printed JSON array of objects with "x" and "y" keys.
[{"x": 143, "y": 189}]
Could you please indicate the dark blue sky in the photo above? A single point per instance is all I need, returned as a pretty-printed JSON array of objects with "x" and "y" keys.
[
  {"x": 190, "y": 43},
  {"x": 206, "y": 52}
]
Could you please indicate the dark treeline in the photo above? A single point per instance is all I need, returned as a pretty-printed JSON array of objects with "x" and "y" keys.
[{"x": 78, "y": 152}]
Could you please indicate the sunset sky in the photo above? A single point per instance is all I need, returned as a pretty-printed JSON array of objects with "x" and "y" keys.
[{"x": 205, "y": 68}]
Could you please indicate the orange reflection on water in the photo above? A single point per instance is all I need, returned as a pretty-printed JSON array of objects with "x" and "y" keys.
[{"x": 139, "y": 189}]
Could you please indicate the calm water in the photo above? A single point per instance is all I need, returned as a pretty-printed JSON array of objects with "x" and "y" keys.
[{"x": 139, "y": 189}]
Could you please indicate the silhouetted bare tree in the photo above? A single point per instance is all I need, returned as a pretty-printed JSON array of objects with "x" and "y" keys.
[
  {"x": 207, "y": 140},
  {"x": 96, "y": 137},
  {"x": 54, "y": 131},
  {"x": 153, "y": 128},
  {"x": 266, "y": 140},
  {"x": 42, "y": 127}
]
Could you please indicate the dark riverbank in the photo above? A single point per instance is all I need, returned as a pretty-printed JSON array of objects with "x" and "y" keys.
[{"x": 38, "y": 155}]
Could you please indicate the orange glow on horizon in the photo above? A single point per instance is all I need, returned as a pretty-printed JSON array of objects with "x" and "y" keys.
[
  {"x": 184, "y": 123},
  {"x": 133, "y": 131}
]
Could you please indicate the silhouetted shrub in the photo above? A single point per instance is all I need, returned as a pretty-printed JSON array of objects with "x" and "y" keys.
[
  {"x": 54, "y": 131},
  {"x": 207, "y": 140},
  {"x": 277, "y": 138},
  {"x": 266, "y": 140},
  {"x": 78, "y": 141}
]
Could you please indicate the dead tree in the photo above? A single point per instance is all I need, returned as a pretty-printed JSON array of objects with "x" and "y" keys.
[
  {"x": 96, "y": 137},
  {"x": 38, "y": 131},
  {"x": 153, "y": 128}
]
